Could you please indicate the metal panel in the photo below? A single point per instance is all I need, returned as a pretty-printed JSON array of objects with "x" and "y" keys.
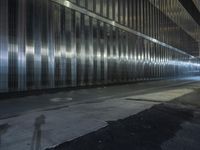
[
  {"x": 4, "y": 45},
  {"x": 53, "y": 44}
]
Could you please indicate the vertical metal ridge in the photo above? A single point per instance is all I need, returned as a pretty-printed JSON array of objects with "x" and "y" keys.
[{"x": 75, "y": 7}]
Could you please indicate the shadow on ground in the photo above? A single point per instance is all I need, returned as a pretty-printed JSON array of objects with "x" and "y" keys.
[
  {"x": 191, "y": 99},
  {"x": 145, "y": 131}
]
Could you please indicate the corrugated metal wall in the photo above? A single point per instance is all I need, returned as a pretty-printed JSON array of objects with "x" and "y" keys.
[{"x": 44, "y": 44}]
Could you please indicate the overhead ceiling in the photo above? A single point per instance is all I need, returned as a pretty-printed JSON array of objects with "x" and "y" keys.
[
  {"x": 191, "y": 7},
  {"x": 178, "y": 12}
]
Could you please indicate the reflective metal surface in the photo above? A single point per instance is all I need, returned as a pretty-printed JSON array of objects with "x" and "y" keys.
[{"x": 57, "y": 43}]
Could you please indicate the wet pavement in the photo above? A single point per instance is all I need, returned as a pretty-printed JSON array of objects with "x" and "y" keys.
[{"x": 151, "y": 115}]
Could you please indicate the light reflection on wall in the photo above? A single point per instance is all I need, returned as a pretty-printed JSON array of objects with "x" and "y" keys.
[{"x": 53, "y": 46}]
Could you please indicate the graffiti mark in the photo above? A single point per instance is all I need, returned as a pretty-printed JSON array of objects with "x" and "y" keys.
[
  {"x": 3, "y": 130},
  {"x": 37, "y": 134}
]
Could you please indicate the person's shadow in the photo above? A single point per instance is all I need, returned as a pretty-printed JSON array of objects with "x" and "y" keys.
[
  {"x": 3, "y": 130},
  {"x": 37, "y": 135}
]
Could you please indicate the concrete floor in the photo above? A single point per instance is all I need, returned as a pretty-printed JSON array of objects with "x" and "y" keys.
[{"x": 44, "y": 121}]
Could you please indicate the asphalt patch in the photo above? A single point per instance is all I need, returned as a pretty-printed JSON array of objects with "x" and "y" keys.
[{"x": 144, "y": 131}]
